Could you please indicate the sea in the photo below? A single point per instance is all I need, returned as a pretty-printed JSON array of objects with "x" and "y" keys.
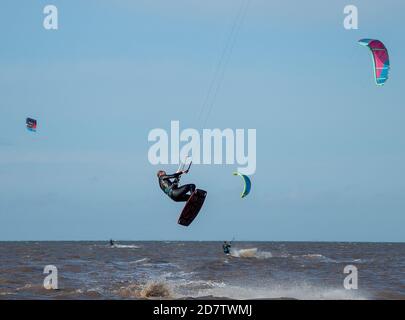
[{"x": 201, "y": 270}]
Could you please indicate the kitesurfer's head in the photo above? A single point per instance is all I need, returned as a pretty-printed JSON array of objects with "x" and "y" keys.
[{"x": 161, "y": 173}]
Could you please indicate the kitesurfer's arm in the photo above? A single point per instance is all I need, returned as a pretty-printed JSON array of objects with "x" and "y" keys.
[{"x": 172, "y": 176}]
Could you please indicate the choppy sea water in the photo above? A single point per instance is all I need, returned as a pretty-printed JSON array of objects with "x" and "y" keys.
[{"x": 190, "y": 270}]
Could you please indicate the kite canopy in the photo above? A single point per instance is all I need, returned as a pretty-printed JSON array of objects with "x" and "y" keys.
[
  {"x": 247, "y": 184},
  {"x": 381, "y": 62},
  {"x": 31, "y": 124}
]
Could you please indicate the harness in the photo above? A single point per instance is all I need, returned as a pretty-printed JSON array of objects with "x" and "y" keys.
[{"x": 169, "y": 190}]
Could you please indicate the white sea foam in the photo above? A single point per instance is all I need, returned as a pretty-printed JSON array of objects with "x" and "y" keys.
[
  {"x": 139, "y": 261},
  {"x": 125, "y": 246},
  {"x": 195, "y": 288},
  {"x": 293, "y": 291},
  {"x": 250, "y": 253}
]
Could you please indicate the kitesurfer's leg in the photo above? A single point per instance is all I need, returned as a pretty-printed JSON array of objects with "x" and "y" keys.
[
  {"x": 191, "y": 187},
  {"x": 181, "y": 193}
]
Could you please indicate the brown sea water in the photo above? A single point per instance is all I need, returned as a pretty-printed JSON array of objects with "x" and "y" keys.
[{"x": 184, "y": 270}]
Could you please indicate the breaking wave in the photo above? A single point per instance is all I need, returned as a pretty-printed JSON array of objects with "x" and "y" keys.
[
  {"x": 195, "y": 289},
  {"x": 156, "y": 289},
  {"x": 153, "y": 289},
  {"x": 300, "y": 292},
  {"x": 125, "y": 246},
  {"x": 250, "y": 253},
  {"x": 140, "y": 261}
]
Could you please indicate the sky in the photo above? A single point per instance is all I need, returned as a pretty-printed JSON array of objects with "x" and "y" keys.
[{"x": 330, "y": 147}]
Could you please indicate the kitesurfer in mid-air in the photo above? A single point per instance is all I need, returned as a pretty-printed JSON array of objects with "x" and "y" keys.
[{"x": 170, "y": 185}]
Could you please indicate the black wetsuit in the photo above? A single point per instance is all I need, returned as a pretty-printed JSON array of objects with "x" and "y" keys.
[
  {"x": 172, "y": 189},
  {"x": 226, "y": 247}
]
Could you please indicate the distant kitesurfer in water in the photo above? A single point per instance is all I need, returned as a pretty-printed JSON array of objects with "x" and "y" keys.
[
  {"x": 111, "y": 242},
  {"x": 226, "y": 247},
  {"x": 170, "y": 185}
]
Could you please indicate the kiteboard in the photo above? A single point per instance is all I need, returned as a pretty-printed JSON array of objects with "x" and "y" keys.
[{"x": 192, "y": 207}]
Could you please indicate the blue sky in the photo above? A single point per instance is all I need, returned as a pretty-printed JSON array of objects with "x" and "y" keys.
[{"x": 330, "y": 147}]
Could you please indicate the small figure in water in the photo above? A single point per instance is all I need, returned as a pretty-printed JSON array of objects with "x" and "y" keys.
[
  {"x": 226, "y": 247},
  {"x": 111, "y": 242},
  {"x": 170, "y": 185}
]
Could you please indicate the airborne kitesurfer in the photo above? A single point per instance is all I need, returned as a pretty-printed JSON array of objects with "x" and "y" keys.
[{"x": 170, "y": 185}]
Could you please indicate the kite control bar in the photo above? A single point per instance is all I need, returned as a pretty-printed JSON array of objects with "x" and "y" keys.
[
  {"x": 182, "y": 165},
  {"x": 189, "y": 166}
]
